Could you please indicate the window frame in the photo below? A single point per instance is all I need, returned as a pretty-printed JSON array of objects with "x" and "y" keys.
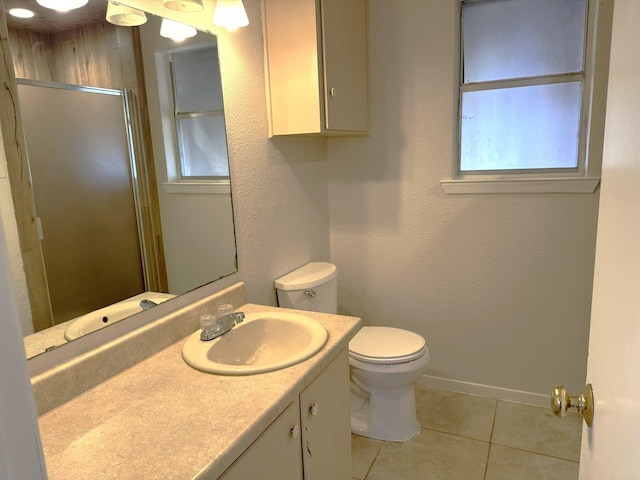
[
  {"x": 582, "y": 179},
  {"x": 180, "y": 115},
  {"x": 172, "y": 182}
]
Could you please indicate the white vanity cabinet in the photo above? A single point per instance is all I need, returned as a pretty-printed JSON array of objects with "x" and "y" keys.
[
  {"x": 311, "y": 439},
  {"x": 325, "y": 413},
  {"x": 276, "y": 452},
  {"x": 316, "y": 66}
]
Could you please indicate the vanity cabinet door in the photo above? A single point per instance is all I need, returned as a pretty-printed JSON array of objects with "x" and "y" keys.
[
  {"x": 325, "y": 419},
  {"x": 275, "y": 454},
  {"x": 316, "y": 66}
]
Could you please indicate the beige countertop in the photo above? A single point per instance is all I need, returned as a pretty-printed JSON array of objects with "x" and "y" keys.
[{"x": 163, "y": 419}]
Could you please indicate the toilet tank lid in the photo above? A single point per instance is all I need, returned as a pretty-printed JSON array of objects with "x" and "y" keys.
[{"x": 311, "y": 275}]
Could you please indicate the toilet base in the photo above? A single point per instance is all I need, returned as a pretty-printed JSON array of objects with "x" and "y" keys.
[{"x": 384, "y": 413}]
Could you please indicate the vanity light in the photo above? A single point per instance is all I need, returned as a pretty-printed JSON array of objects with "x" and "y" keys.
[
  {"x": 62, "y": 5},
  {"x": 176, "y": 31},
  {"x": 21, "y": 12},
  {"x": 124, "y": 16},
  {"x": 230, "y": 14},
  {"x": 184, "y": 5}
]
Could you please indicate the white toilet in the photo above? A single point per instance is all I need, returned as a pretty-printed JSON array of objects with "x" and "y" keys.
[{"x": 385, "y": 361}]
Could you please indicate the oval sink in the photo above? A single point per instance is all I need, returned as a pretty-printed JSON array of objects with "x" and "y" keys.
[
  {"x": 108, "y": 315},
  {"x": 263, "y": 342}
]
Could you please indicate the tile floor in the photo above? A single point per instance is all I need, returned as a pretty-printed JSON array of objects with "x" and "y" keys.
[{"x": 469, "y": 437}]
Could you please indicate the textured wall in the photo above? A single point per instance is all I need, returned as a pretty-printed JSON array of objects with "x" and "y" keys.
[
  {"x": 500, "y": 285},
  {"x": 280, "y": 193}
]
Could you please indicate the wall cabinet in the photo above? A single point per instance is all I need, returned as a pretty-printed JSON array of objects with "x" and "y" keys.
[
  {"x": 311, "y": 439},
  {"x": 316, "y": 66}
]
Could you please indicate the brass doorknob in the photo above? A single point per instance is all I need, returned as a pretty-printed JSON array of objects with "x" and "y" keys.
[{"x": 561, "y": 402}]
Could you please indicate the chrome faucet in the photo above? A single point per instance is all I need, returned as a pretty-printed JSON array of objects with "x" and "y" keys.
[
  {"x": 221, "y": 326},
  {"x": 146, "y": 304}
]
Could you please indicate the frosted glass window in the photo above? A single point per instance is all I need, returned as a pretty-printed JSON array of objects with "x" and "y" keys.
[
  {"x": 521, "y": 85},
  {"x": 533, "y": 127},
  {"x": 199, "y": 114},
  {"x": 507, "y": 39},
  {"x": 204, "y": 145},
  {"x": 197, "y": 80}
]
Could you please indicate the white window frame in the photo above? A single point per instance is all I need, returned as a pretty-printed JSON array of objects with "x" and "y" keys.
[
  {"x": 175, "y": 184},
  {"x": 586, "y": 177}
]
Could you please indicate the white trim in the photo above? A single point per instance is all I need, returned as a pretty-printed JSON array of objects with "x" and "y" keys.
[
  {"x": 500, "y": 393},
  {"x": 521, "y": 185},
  {"x": 223, "y": 188}
]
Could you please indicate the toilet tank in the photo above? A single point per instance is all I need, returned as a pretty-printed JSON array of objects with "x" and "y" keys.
[{"x": 313, "y": 287}]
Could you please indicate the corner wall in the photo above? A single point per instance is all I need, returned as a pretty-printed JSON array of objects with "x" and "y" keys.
[{"x": 499, "y": 285}]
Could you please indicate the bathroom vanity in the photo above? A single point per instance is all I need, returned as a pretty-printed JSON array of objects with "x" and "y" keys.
[{"x": 161, "y": 418}]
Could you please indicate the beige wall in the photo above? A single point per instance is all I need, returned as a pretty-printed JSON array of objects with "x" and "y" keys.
[
  {"x": 280, "y": 192},
  {"x": 499, "y": 285}
]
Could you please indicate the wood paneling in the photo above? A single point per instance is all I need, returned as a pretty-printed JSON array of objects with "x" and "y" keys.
[{"x": 96, "y": 55}]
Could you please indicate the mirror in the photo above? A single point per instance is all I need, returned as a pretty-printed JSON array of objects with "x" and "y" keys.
[{"x": 195, "y": 217}]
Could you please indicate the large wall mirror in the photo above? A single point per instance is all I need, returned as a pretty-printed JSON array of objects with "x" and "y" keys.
[{"x": 76, "y": 68}]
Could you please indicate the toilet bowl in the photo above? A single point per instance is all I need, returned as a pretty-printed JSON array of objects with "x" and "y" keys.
[{"x": 385, "y": 362}]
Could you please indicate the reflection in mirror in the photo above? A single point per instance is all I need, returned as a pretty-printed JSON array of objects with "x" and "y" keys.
[{"x": 176, "y": 177}]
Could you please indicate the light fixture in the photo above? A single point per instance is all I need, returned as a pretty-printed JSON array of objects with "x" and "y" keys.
[
  {"x": 19, "y": 12},
  {"x": 62, "y": 5},
  {"x": 230, "y": 14},
  {"x": 124, "y": 16},
  {"x": 184, "y": 5},
  {"x": 176, "y": 31}
]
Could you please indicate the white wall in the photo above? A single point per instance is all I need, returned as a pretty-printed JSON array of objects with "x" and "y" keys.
[
  {"x": 197, "y": 248},
  {"x": 499, "y": 285},
  {"x": 280, "y": 186}
]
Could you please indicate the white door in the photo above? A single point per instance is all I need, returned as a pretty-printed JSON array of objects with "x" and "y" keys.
[{"x": 611, "y": 447}]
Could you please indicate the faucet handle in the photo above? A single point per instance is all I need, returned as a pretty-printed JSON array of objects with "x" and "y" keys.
[
  {"x": 225, "y": 309},
  {"x": 207, "y": 324}
]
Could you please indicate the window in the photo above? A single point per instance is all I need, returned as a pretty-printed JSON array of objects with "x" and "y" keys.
[
  {"x": 525, "y": 92},
  {"x": 199, "y": 115}
]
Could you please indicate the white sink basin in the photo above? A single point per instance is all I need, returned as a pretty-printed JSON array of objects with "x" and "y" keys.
[
  {"x": 263, "y": 342},
  {"x": 108, "y": 315}
]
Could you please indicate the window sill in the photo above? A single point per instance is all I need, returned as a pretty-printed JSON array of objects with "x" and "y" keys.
[
  {"x": 520, "y": 185},
  {"x": 222, "y": 188}
]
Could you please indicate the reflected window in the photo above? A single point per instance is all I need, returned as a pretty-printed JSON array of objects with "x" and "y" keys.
[
  {"x": 199, "y": 115},
  {"x": 522, "y": 86}
]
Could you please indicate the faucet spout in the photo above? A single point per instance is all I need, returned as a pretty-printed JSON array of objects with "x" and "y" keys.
[
  {"x": 146, "y": 304},
  {"x": 222, "y": 326}
]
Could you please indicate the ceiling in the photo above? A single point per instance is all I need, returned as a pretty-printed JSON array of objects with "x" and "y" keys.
[{"x": 47, "y": 20}]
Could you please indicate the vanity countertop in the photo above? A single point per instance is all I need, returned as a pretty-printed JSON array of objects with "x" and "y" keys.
[{"x": 163, "y": 419}]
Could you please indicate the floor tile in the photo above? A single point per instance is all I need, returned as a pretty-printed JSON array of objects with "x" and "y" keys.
[
  {"x": 507, "y": 464},
  {"x": 363, "y": 452},
  {"x": 431, "y": 455},
  {"x": 538, "y": 430},
  {"x": 460, "y": 414}
]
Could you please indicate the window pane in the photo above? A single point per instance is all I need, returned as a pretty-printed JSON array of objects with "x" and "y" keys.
[
  {"x": 204, "y": 147},
  {"x": 197, "y": 80},
  {"x": 520, "y": 128},
  {"x": 505, "y": 39}
]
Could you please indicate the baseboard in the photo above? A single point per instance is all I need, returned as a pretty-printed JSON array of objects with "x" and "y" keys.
[{"x": 485, "y": 390}]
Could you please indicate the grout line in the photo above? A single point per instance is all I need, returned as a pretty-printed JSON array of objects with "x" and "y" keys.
[
  {"x": 493, "y": 426},
  {"x": 537, "y": 453},
  {"x": 372, "y": 462}
]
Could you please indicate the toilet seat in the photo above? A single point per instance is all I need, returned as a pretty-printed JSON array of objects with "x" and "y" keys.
[{"x": 386, "y": 345}]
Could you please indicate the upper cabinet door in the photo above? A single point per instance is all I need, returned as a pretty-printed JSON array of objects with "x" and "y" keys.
[
  {"x": 346, "y": 69},
  {"x": 316, "y": 66}
]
